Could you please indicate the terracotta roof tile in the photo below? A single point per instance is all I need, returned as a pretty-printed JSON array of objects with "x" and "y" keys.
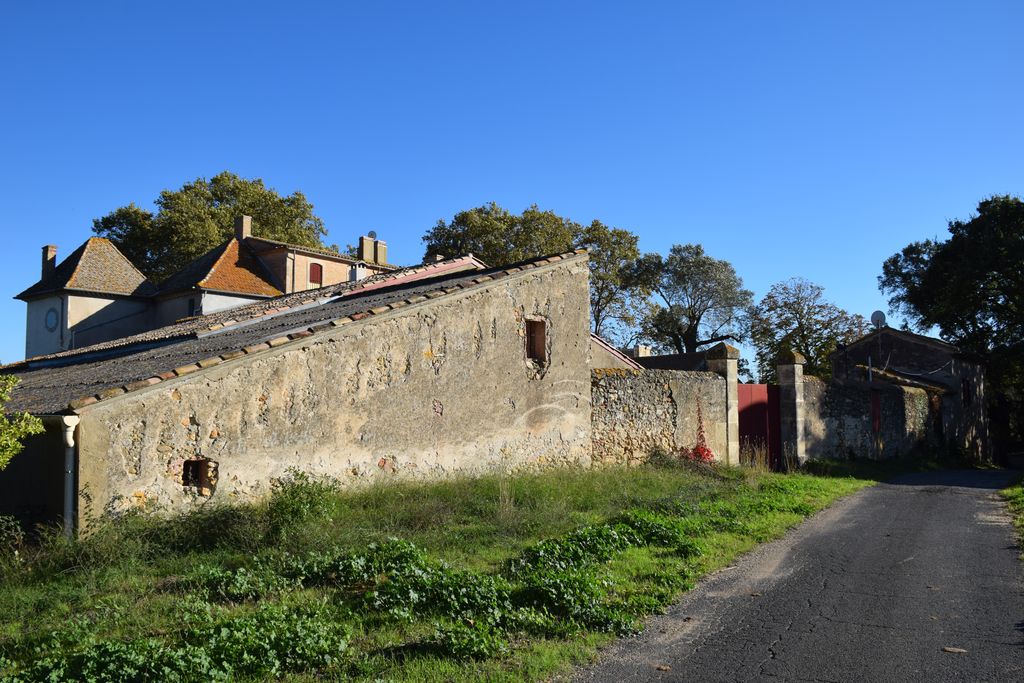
[
  {"x": 230, "y": 267},
  {"x": 96, "y": 266}
]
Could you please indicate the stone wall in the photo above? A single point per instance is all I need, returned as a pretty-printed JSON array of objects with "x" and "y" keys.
[
  {"x": 427, "y": 391},
  {"x": 640, "y": 412},
  {"x": 838, "y": 419}
]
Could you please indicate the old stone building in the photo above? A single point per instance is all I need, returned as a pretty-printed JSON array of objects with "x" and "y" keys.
[
  {"x": 941, "y": 390},
  {"x": 96, "y": 294},
  {"x": 423, "y": 372},
  {"x": 419, "y": 372}
]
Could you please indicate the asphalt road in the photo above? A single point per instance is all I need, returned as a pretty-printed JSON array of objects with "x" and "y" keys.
[{"x": 871, "y": 589}]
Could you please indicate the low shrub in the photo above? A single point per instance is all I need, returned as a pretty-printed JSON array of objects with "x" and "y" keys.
[
  {"x": 270, "y": 641},
  {"x": 468, "y": 640}
]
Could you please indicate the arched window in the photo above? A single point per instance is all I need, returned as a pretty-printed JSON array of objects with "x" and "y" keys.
[{"x": 316, "y": 275}]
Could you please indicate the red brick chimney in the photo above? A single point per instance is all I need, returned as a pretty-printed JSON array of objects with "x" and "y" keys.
[{"x": 49, "y": 260}]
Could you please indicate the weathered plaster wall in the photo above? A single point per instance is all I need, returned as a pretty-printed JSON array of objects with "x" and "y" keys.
[
  {"x": 637, "y": 413},
  {"x": 168, "y": 311},
  {"x": 94, "y": 319},
  {"x": 601, "y": 358},
  {"x": 428, "y": 390},
  {"x": 333, "y": 272},
  {"x": 82, "y": 320},
  {"x": 40, "y": 341},
  {"x": 838, "y": 420}
]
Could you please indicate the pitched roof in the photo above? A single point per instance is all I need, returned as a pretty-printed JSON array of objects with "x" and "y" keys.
[
  {"x": 70, "y": 383},
  {"x": 192, "y": 327},
  {"x": 908, "y": 336},
  {"x": 623, "y": 358},
  {"x": 230, "y": 267},
  {"x": 268, "y": 245},
  {"x": 98, "y": 267}
]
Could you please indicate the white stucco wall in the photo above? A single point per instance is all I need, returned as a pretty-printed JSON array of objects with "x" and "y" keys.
[
  {"x": 94, "y": 319},
  {"x": 82, "y": 320},
  {"x": 38, "y": 340},
  {"x": 211, "y": 303}
]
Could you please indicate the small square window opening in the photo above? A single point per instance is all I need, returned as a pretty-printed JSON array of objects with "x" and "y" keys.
[{"x": 536, "y": 341}]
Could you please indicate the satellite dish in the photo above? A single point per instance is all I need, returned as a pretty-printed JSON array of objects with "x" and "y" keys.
[
  {"x": 372, "y": 234},
  {"x": 878, "y": 320}
]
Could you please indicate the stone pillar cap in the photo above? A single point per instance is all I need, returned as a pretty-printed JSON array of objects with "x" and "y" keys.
[
  {"x": 722, "y": 351},
  {"x": 790, "y": 358}
]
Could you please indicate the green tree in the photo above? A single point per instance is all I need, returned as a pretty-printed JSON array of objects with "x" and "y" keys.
[
  {"x": 498, "y": 237},
  {"x": 794, "y": 316},
  {"x": 200, "y": 215},
  {"x": 14, "y": 427},
  {"x": 971, "y": 287},
  {"x": 700, "y": 300},
  {"x": 613, "y": 300}
]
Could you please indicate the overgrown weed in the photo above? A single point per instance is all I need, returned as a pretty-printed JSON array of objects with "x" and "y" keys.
[{"x": 502, "y": 577}]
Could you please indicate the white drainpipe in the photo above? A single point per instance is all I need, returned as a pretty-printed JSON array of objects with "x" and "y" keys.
[{"x": 69, "y": 422}]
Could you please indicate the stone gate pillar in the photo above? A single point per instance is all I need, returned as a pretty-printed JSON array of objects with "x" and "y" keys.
[
  {"x": 723, "y": 360},
  {"x": 790, "y": 370}
]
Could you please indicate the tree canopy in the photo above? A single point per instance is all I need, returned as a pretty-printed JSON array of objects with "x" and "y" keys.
[
  {"x": 613, "y": 299},
  {"x": 497, "y": 237},
  {"x": 701, "y": 299},
  {"x": 971, "y": 287},
  {"x": 794, "y": 316},
  {"x": 200, "y": 215},
  {"x": 14, "y": 427}
]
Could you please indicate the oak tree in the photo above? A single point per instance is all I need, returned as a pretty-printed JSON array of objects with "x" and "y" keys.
[
  {"x": 794, "y": 316},
  {"x": 200, "y": 215},
  {"x": 499, "y": 237},
  {"x": 971, "y": 287},
  {"x": 698, "y": 300}
]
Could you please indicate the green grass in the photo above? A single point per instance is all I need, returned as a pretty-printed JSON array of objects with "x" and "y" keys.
[
  {"x": 1014, "y": 496},
  {"x": 503, "y": 577}
]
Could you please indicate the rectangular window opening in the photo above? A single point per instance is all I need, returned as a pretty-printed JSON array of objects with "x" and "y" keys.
[
  {"x": 316, "y": 275},
  {"x": 196, "y": 473},
  {"x": 536, "y": 341}
]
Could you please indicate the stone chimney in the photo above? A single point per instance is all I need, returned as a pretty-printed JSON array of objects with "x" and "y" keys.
[
  {"x": 243, "y": 227},
  {"x": 49, "y": 260},
  {"x": 372, "y": 250},
  {"x": 365, "y": 251},
  {"x": 640, "y": 351}
]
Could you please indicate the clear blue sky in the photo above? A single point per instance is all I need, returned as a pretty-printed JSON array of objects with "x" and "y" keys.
[{"x": 810, "y": 139}]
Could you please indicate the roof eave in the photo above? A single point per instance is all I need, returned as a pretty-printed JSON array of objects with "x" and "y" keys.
[{"x": 319, "y": 329}]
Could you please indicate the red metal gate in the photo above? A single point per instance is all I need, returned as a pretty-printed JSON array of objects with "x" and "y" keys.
[{"x": 760, "y": 440}]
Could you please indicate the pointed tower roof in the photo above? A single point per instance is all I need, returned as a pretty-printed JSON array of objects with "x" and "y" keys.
[{"x": 96, "y": 267}]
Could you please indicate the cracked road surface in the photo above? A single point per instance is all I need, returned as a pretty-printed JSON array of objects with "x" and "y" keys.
[{"x": 871, "y": 589}]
